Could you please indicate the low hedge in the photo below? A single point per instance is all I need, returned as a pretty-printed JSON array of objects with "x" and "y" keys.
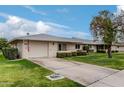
[
  {"x": 10, "y": 53},
  {"x": 74, "y": 53},
  {"x": 80, "y": 52},
  {"x": 115, "y": 51},
  {"x": 68, "y": 54},
  {"x": 91, "y": 51},
  {"x": 101, "y": 51},
  {"x": 63, "y": 54}
]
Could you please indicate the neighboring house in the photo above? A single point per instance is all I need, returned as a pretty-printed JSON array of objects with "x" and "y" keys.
[{"x": 43, "y": 45}]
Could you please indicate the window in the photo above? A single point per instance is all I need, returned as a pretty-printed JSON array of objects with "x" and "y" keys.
[
  {"x": 77, "y": 46},
  {"x": 62, "y": 47},
  {"x": 59, "y": 47}
]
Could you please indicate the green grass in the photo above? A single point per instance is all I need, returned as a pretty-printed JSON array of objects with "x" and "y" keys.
[
  {"x": 101, "y": 59},
  {"x": 24, "y": 73}
]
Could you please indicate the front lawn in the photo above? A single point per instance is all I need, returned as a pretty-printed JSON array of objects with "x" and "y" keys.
[
  {"x": 25, "y": 73},
  {"x": 117, "y": 62}
]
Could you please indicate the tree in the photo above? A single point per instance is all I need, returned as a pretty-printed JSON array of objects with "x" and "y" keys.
[
  {"x": 103, "y": 28},
  {"x": 3, "y": 43},
  {"x": 119, "y": 23}
]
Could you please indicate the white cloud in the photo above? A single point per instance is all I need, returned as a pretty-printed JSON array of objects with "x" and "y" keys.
[
  {"x": 119, "y": 9},
  {"x": 41, "y": 12},
  {"x": 70, "y": 34},
  {"x": 82, "y": 34},
  {"x": 15, "y": 26},
  {"x": 4, "y": 15},
  {"x": 13, "y": 20},
  {"x": 22, "y": 27},
  {"x": 35, "y": 11},
  {"x": 57, "y": 25},
  {"x": 2, "y": 29},
  {"x": 41, "y": 26},
  {"x": 63, "y": 10}
]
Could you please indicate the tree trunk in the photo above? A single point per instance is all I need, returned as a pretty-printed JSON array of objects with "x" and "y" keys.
[{"x": 109, "y": 51}]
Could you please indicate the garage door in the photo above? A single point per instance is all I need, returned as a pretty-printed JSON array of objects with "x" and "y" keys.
[{"x": 38, "y": 49}]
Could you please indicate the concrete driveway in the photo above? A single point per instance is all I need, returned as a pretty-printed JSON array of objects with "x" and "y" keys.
[{"x": 85, "y": 74}]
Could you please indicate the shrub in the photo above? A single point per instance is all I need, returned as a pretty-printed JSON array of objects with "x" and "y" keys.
[
  {"x": 10, "y": 53},
  {"x": 86, "y": 47},
  {"x": 60, "y": 55},
  {"x": 101, "y": 51},
  {"x": 68, "y": 54},
  {"x": 91, "y": 50},
  {"x": 114, "y": 51},
  {"x": 3, "y": 43},
  {"x": 74, "y": 53},
  {"x": 80, "y": 52},
  {"x": 63, "y": 54}
]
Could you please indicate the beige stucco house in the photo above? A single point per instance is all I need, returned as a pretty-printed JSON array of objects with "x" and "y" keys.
[{"x": 43, "y": 45}]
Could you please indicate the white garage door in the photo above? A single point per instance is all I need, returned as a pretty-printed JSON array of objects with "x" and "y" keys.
[{"x": 38, "y": 49}]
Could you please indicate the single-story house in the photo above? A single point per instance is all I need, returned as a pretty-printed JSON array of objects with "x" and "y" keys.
[{"x": 44, "y": 45}]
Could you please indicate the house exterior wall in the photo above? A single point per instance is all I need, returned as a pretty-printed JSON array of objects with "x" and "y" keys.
[
  {"x": 53, "y": 48},
  {"x": 114, "y": 48},
  {"x": 24, "y": 49},
  {"x": 81, "y": 47},
  {"x": 19, "y": 46},
  {"x": 93, "y": 47},
  {"x": 39, "y": 49},
  {"x": 70, "y": 46},
  {"x": 118, "y": 48},
  {"x": 121, "y": 48},
  {"x": 29, "y": 49}
]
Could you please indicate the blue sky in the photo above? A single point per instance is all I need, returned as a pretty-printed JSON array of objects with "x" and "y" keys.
[{"x": 66, "y": 21}]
